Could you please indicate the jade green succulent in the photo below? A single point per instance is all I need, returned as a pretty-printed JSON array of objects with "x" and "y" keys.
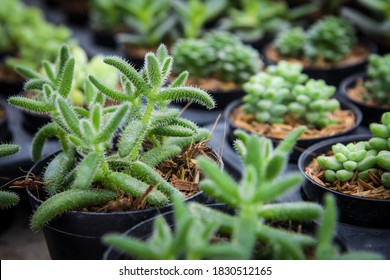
[
  {"x": 7, "y": 198},
  {"x": 252, "y": 199},
  {"x": 330, "y": 39},
  {"x": 377, "y": 87},
  {"x": 362, "y": 158},
  {"x": 283, "y": 89},
  {"x": 218, "y": 54},
  {"x": 88, "y": 135}
]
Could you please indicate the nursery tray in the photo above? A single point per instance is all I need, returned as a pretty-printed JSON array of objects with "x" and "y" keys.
[{"x": 355, "y": 237}]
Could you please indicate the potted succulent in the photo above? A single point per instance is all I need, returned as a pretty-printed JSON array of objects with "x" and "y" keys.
[
  {"x": 149, "y": 24},
  {"x": 373, "y": 20},
  {"x": 219, "y": 62},
  {"x": 194, "y": 15},
  {"x": 370, "y": 90},
  {"x": 356, "y": 170},
  {"x": 282, "y": 98},
  {"x": 22, "y": 33},
  {"x": 118, "y": 164},
  {"x": 328, "y": 49},
  {"x": 7, "y": 198},
  {"x": 249, "y": 230}
]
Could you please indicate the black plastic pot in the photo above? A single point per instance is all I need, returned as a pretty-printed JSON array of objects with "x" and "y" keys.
[
  {"x": 33, "y": 121},
  {"x": 370, "y": 113},
  {"x": 331, "y": 75},
  {"x": 103, "y": 38},
  {"x": 351, "y": 209},
  {"x": 144, "y": 230},
  {"x": 77, "y": 234},
  {"x": 301, "y": 144}
]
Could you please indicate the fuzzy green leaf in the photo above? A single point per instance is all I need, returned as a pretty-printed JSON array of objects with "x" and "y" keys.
[
  {"x": 68, "y": 200},
  {"x": 161, "y": 118},
  {"x": 69, "y": 116},
  {"x": 180, "y": 80},
  {"x": 153, "y": 70},
  {"x": 64, "y": 84},
  {"x": 86, "y": 170},
  {"x": 8, "y": 149},
  {"x": 162, "y": 53},
  {"x": 45, "y": 132},
  {"x": 63, "y": 57},
  {"x": 30, "y": 104},
  {"x": 131, "y": 246},
  {"x": 188, "y": 94},
  {"x": 49, "y": 71},
  {"x": 8, "y": 199},
  {"x": 113, "y": 94},
  {"x": 173, "y": 131},
  {"x": 291, "y": 211},
  {"x": 27, "y": 72},
  {"x": 158, "y": 154},
  {"x": 131, "y": 138},
  {"x": 96, "y": 116},
  {"x": 202, "y": 135},
  {"x": 147, "y": 174},
  {"x": 113, "y": 124},
  {"x": 136, "y": 188}
]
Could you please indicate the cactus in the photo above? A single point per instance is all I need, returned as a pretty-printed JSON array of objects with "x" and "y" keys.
[
  {"x": 217, "y": 54},
  {"x": 377, "y": 87},
  {"x": 283, "y": 89},
  {"x": 87, "y": 135},
  {"x": 197, "y": 225},
  {"x": 8, "y": 199},
  {"x": 329, "y": 39},
  {"x": 361, "y": 158}
]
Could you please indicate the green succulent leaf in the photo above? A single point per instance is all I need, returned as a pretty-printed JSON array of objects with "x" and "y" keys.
[
  {"x": 8, "y": 199},
  {"x": 187, "y": 93},
  {"x": 87, "y": 169}
]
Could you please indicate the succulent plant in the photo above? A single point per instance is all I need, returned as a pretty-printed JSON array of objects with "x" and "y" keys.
[
  {"x": 8, "y": 199},
  {"x": 361, "y": 158},
  {"x": 217, "y": 54},
  {"x": 195, "y": 14},
  {"x": 378, "y": 85},
  {"x": 330, "y": 39},
  {"x": 283, "y": 89},
  {"x": 87, "y": 135},
  {"x": 254, "y": 208}
]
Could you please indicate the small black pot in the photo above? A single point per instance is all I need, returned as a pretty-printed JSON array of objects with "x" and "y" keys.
[
  {"x": 331, "y": 75},
  {"x": 144, "y": 230},
  {"x": 371, "y": 114},
  {"x": 351, "y": 209},
  {"x": 77, "y": 234},
  {"x": 302, "y": 144}
]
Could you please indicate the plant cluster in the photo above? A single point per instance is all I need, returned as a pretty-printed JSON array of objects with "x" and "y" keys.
[
  {"x": 202, "y": 232},
  {"x": 23, "y": 30},
  {"x": 377, "y": 88},
  {"x": 361, "y": 159},
  {"x": 330, "y": 39},
  {"x": 106, "y": 15},
  {"x": 8, "y": 199},
  {"x": 219, "y": 55},
  {"x": 104, "y": 145},
  {"x": 282, "y": 89}
]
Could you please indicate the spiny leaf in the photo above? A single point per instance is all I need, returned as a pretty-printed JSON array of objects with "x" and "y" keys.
[
  {"x": 68, "y": 200},
  {"x": 45, "y": 132},
  {"x": 326, "y": 229},
  {"x": 49, "y": 71},
  {"x": 173, "y": 131},
  {"x": 34, "y": 84},
  {"x": 8, "y": 199},
  {"x": 162, "y": 53},
  {"x": 30, "y": 104},
  {"x": 131, "y": 138},
  {"x": 136, "y": 188},
  {"x": 86, "y": 170},
  {"x": 158, "y": 154},
  {"x": 291, "y": 211},
  {"x": 187, "y": 93},
  {"x": 202, "y": 135},
  {"x": 87, "y": 130},
  {"x": 113, "y": 124},
  {"x": 153, "y": 70},
  {"x": 8, "y": 149},
  {"x": 27, "y": 72},
  {"x": 160, "y": 118},
  {"x": 69, "y": 116},
  {"x": 166, "y": 68},
  {"x": 288, "y": 143},
  {"x": 56, "y": 172},
  {"x": 113, "y": 94},
  {"x": 180, "y": 80},
  {"x": 64, "y": 84},
  {"x": 275, "y": 165},
  {"x": 147, "y": 174},
  {"x": 63, "y": 57},
  {"x": 127, "y": 70},
  {"x": 96, "y": 116}
]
